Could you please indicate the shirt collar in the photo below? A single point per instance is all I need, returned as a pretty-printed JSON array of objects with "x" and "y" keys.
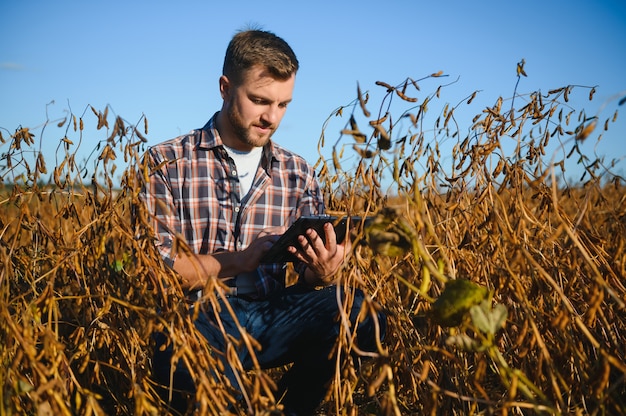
[{"x": 209, "y": 138}]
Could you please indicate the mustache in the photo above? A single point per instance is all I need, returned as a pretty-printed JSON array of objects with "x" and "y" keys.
[{"x": 265, "y": 125}]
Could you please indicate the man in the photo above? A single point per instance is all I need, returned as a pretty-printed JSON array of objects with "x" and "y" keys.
[{"x": 228, "y": 190}]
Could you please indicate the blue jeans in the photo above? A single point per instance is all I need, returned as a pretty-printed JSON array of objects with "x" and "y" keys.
[{"x": 296, "y": 325}]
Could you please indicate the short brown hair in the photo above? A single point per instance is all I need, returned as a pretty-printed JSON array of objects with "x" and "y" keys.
[{"x": 258, "y": 47}]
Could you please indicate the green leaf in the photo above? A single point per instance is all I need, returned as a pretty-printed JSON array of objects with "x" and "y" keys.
[
  {"x": 488, "y": 320},
  {"x": 464, "y": 342},
  {"x": 480, "y": 318},
  {"x": 458, "y": 297},
  {"x": 500, "y": 314}
]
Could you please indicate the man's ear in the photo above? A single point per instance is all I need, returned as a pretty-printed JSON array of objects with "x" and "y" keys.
[{"x": 224, "y": 87}]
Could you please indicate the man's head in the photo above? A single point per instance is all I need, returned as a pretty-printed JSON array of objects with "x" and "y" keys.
[
  {"x": 256, "y": 47},
  {"x": 256, "y": 85}
]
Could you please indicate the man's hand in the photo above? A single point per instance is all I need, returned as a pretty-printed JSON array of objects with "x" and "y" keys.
[
  {"x": 196, "y": 269},
  {"x": 272, "y": 231},
  {"x": 322, "y": 259},
  {"x": 252, "y": 255}
]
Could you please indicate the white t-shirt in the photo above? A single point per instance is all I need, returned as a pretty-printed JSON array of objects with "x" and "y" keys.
[{"x": 247, "y": 164}]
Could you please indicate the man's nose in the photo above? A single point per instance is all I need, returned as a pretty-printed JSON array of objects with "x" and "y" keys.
[{"x": 272, "y": 114}]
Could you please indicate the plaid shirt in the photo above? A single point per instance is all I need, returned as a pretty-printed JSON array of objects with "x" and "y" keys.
[{"x": 193, "y": 192}]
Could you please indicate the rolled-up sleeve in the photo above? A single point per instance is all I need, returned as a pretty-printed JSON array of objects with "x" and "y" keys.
[{"x": 157, "y": 197}]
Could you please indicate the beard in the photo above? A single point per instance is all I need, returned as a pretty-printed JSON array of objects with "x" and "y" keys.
[{"x": 245, "y": 132}]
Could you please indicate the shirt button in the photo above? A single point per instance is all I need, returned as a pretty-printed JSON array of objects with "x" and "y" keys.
[
  {"x": 234, "y": 173},
  {"x": 236, "y": 209}
]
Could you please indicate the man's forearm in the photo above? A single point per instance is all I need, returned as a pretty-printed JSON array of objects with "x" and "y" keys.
[{"x": 195, "y": 270}]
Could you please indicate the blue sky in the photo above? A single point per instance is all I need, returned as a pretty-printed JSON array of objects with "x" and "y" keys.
[{"x": 163, "y": 58}]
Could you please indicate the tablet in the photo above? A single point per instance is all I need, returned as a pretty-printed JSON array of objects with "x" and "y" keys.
[{"x": 278, "y": 252}]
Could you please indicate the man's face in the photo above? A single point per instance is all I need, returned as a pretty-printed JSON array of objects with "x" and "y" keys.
[{"x": 254, "y": 108}]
